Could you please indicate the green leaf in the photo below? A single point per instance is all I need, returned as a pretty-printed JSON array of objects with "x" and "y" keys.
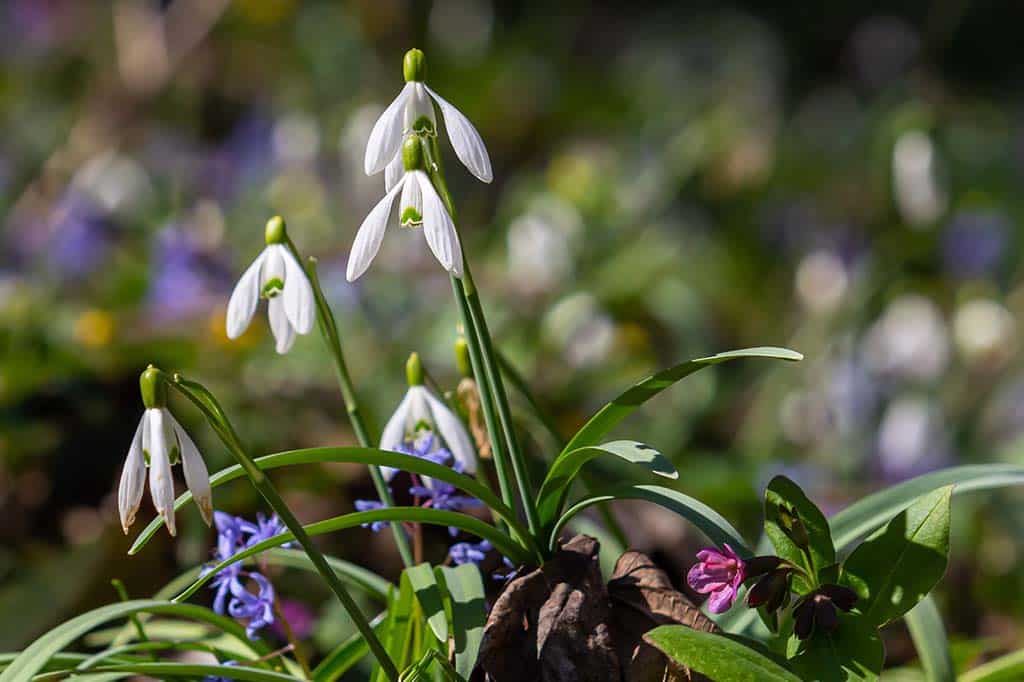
[
  {"x": 367, "y": 456},
  {"x": 854, "y": 651},
  {"x": 35, "y": 656},
  {"x": 399, "y": 628},
  {"x": 710, "y": 522},
  {"x": 716, "y": 656},
  {"x": 896, "y": 567},
  {"x": 869, "y": 513},
  {"x": 469, "y": 614},
  {"x": 428, "y": 594},
  {"x": 362, "y": 578},
  {"x": 164, "y": 670},
  {"x": 348, "y": 653},
  {"x": 784, "y": 494},
  {"x": 438, "y": 517},
  {"x": 930, "y": 640},
  {"x": 627, "y": 403},
  {"x": 555, "y": 487},
  {"x": 1008, "y": 668}
]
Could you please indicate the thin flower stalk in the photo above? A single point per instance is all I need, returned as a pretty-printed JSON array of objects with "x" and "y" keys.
[
  {"x": 478, "y": 336},
  {"x": 332, "y": 339},
  {"x": 212, "y": 410}
]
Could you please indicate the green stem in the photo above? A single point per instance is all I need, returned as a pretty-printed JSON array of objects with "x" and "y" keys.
[
  {"x": 332, "y": 339},
  {"x": 479, "y": 335},
  {"x": 122, "y": 593},
  {"x": 212, "y": 410}
]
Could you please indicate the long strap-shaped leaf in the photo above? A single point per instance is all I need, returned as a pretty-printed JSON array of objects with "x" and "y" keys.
[
  {"x": 382, "y": 458},
  {"x": 623, "y": 406},
  {"x": 36, "y": 655},
  {"x": 874, "y": 511},
  {"x": 164, "y": 670},
  {"x": 930, "y": 640},
  {"x": 1008, "y": 668},
  {"x": 555, "y": 487},
  {"x": 348, "y": 653},
  {"x": 438, "y": 517},
  {"x": 710, "y": 522}
]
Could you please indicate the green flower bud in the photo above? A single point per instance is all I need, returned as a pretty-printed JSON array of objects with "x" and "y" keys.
[
  {"x": 414, "y": 66},
  {"x": 793, "y": 527},
  {"x": 462, "y": 357},
  {"x": 412, "y": 154},
  {"x": 153, "y": 388},
  {"x": 275, "y": 232},
  {"x": 414, "y": 370}
]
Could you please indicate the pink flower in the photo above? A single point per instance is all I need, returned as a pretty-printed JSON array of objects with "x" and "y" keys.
[{"x": 718, "y": 573}]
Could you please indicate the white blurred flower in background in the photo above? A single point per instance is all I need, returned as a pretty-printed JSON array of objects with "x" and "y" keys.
[
  {"x": 578, "y": 325},
  {"x": 984, "y": 330},
  {"x": 821, "y": 281},
  {"x": 916, "y": 178},
  {"x": 911, "y": 438},
  {"x": 540, "y": 246},
  {"x": 909, "y": 340}
]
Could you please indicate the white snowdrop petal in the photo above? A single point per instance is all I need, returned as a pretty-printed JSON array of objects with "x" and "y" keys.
[
  {"x": 412, "y": 197},
  {"x": 450, "y": 428},
  {"x": 197, "y": 478},
  {"x": 245, "y": 298},
  {"x": 161, "y": 483},
  {"x": 280, "y": 327},
  {"x": 133, "y": 479},
  {"x": 394, "y": 433},
  {"x": 386, "y": 136},
  {"x": 370, "y": 234},
  {"x": 393, "y": 172},
  {"x": 466, "y": 141},
  {"x": 298, "y": 294},
  {"x": 438, "y": 228}
]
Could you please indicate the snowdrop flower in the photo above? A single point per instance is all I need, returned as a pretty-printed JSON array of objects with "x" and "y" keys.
[
  {"x": 278, "y": 277},
  {"x": 160, "y": 442},
  {"x": 421, "y": 410},
  {"x": 420, "y": 207},
  {"x": 413, "y": 112}
]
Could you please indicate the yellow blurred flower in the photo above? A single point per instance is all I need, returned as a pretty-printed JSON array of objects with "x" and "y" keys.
[{"x": 94, "y": 328}]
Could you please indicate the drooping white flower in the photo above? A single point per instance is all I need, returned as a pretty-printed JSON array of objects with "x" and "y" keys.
[
  {"x": 413, "y": 111},
  {"x": 159, "y": 442},
  {"x": 420, "y": 207},
  {"x": 277, "y": 276},
  {"x": 421, "y": 409}
]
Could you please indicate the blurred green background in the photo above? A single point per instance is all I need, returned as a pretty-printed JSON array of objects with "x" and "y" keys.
[{"x": 671, "y": 180}]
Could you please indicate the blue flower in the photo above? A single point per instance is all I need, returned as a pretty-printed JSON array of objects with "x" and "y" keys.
[
  {"x": 469, "y": 553},
  {"x": 370, "y": 505},
  {"x": 217, "y": 678},
  {"x": 442, "y": 495},
  {"x": 257, "y": 607},
  {"x": 232, "y": 594}
]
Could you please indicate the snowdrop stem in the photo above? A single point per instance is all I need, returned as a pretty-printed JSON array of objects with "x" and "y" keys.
[
  {"x": 211, "y": 409},
  {"x": 332, "y": 339},
  {"x": 485, "y": 365}
]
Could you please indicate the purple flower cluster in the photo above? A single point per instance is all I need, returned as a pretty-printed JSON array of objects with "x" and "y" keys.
[{"x": 233, "y": 595}]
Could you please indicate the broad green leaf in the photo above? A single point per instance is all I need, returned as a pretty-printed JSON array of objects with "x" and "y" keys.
[
  {"x": 716, "y": 656},
  {"x": 367, "y": 456},
  {"x": 854, "y": 651},
  {"x": 710, "y": 522},
  {"x": 930, "y": 640},
  {"x": 428, "y": 594},
  {"x": 164, "y": 670},
  {"x": 1008, "y": 668},
  {"x": 348, "y": 653},
  {"x": 555, "y": 487},
  {"x": 469, "y": 614},
  {"x": 438, "y": 517},
  {"x": 35, "y": 656},
  {"x": 783, "y": 493},
  {"x": 896, "y": 567},
  {"x": 871, "y": 512},
  {"x": 627, "y": 403}
]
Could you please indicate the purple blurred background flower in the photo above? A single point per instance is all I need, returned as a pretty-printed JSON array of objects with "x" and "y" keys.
[{"x": 469, "y": 552}]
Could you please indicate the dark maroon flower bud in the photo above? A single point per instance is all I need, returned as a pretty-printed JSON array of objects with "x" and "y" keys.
[
  {"x": 771, "y": 591},
  {"x": 843, "y": 597},
  {"x": 760, "y": 565}
]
